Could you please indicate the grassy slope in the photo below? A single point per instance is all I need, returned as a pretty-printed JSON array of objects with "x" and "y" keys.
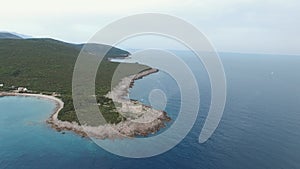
[{"x": 46, "y": 65}]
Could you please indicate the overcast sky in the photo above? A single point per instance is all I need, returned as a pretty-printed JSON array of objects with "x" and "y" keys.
[{"x": 255, "y": 26}]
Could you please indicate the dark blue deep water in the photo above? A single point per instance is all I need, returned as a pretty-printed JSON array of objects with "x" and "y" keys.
[{"x": 260, "y": 127}]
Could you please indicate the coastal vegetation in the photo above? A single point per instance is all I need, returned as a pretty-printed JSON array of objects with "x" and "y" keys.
[{"x": 46, "y": 66}]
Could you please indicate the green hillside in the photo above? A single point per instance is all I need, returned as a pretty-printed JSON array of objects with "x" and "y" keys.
[{"x": 46, "y": 65}]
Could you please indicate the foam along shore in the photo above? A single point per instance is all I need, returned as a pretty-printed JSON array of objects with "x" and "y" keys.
[{"x": 140, "y": 120}]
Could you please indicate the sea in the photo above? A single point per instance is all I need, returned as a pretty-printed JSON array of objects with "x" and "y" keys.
[{"x": 260, "y": 127}]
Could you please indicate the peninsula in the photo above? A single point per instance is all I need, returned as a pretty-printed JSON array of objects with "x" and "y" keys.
[{"x": 44, "y": 68}]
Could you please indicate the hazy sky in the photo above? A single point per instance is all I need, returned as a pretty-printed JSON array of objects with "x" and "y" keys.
[{"x": 256, "y": 26}]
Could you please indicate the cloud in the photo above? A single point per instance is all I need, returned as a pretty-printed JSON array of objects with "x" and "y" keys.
[{"x": 232, "y": 25}]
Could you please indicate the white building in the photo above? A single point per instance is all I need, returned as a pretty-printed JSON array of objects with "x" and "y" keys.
[{"x": 22, "y": 89}]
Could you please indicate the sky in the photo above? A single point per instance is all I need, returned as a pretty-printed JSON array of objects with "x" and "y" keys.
[{"x": 246, "y": 26}]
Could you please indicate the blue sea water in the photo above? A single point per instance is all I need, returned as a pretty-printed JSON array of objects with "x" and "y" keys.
[{"x": 259, "y": 129}]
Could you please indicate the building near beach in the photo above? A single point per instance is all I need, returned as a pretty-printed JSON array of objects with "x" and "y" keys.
[{"x": 22, "y": 89}]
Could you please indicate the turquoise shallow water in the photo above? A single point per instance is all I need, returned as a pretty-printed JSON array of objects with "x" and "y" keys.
[
  {"x": 28, "y": 142},
  {"x": 259, "y": 129}
]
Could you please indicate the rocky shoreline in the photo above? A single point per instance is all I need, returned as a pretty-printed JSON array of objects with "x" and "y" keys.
[{"x": 141, "y": 120}]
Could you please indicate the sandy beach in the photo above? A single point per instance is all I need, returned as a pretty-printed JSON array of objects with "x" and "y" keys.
[{"x": 59, "y": 103}]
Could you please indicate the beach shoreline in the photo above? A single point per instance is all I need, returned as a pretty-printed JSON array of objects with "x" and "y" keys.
[
  {"x": 59, "y": 104},
  {"x": 149, "y": 120}
]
